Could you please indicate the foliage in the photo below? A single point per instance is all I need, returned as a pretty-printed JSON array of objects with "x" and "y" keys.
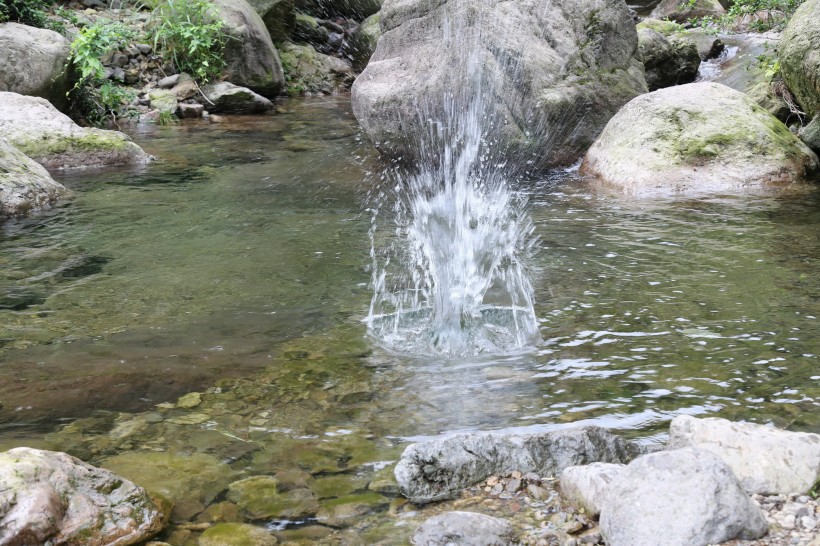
[
  {"x": 93, "y": 96},
  {"x": 27, "y": 12},
  {"x": 777, "y": 14},
  {"x": 190, "y": 33},
  {"x": 167, "y": 118}
]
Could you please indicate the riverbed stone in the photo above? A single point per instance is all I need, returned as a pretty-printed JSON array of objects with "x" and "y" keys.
[
  {"x": 810, "y": 134},
  {"x": 25, "y": 185},
  {"x": 311, "y": 72},
  {"x": 236, "y": 534},
  {"x": 189, "y": 481},
  {"x": 682, "y": 11},
  {"x": 227, "y": 98},
  {"x": 765, "y": 459},
  {"x": 50, "y": 138},
  {"x": 250, "y": 57},
  {"x": 684, "y": 497},
  {"x": 258, "y": 497},
  {"x": 586, "y": 485},
  {"x": 550, "y": 76},
  {"x": 439, "y": 469},
  {"x": 347, "y": 511},
  {"x": 709, "y": 46},
  {"x": 34, "y": 63},
  {"x": 799, "y": 53},
  {"x": 52, "y": 497},
  {"x": 163, "y": 100},
  {"x": 464, "y": 529},
  {"x": 694, "y": 139},
  {"x": 667, "y": 61}
]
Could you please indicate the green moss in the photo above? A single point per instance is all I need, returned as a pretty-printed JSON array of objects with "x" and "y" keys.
[
  {"x": 667, "y": 28},
  {"x": 236, "y": 534},
  {"x": 92, "y": 140}
]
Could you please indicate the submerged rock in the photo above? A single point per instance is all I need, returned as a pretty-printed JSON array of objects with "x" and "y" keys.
[
  {"x": 685, "y": 10},
  {"x": 236, "y": 534},
  {"x": 697, "y": 138},
  {"x": 34, "y": 62},
  {"x": 684, "y": 497},
  {"x": 668, "y": 62},
  {"x": 251, "y": 60},
  {"x": 50, "y": 138},
  {"x": 258, "y": 497},
  {"x": 765, "y": 459},
  {"x": 464, "y": 529},
  {"x": 227, "y": 98},
  {"x": 799, "y": 53},
  {"x": 549, "y": 77},
  {"x": 585, "y": 486},
  {"x": 48, "y": 497},
  {"x": 25, "y": 185},
  {"x": 439, "y": 469}
]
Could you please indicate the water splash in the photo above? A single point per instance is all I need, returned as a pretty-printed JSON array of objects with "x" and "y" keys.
[{"x": 450, "y": 272}]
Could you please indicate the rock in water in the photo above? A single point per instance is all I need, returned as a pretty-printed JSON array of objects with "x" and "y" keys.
[
  {"x": 686, "y": 497},
  {"x": 668, "y": 61},
  {"x": 251, "y": 60},
  {"x": 48, "y": 497},
  {"x": 227, "y": 98},
  {"x": 439, "y": 469},
  {"x": 25, "y": 186},
  {"x": 464, "y": 529},
  {"x": 800, "y": 56},
  {"x": 765, "y": 459},
  {"x": 548, "y": 76},
  {"x": 34, "y": 62},
  {"x": 697, "y": 138},
  {"x": 50, "y": 138}
]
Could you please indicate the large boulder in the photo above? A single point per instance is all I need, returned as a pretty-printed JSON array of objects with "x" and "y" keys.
[
  {"x": 464, "y": 529},
  {"x": 34, "y": 62},
  {"x": 800, "y": 56},
  {"x": 667, "y": 61},
  {"x": 227, "y": 98},
  {"x": 308, "y": 71},
  {"x": 439, "y": 469},
  {"x": 686, "y": 497},
  {"x": 354, "y": 9},
  {"x": 278, "y": 16},
  {"x": 548, "y": 77},
  {"x": 363, "y": 42},
  {"x": 25, "y": 185},
  {"x": 697, "y": 138},
  {"x": 50, "y": 138},
  {"x": 251, "y": 60},
  {"x": 48, "y": 497},
  {"x": 709, "y": 45},
  {"x": 765, "y": 459},
  {"x": 685, "y": 10}
]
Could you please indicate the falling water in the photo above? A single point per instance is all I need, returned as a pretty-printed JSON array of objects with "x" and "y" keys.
[{"x": 451, "y": 238}]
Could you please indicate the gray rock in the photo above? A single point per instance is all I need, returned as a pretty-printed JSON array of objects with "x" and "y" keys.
[
  {"x": 585, "y": 486},
  {"x": 686, "y": 497},
  {"x": 439, "y": 469},
  {"x": 799, "y": 53},
  {"x": 25, "y": 185},
  {"x": 278, "y": 16},
  {"x": 51, "y": 497},
  {"x": 190, "y": 111},
  {"x": 227, "y": 98},
  {"x": 33, "y": 62},
  {"x": 668, "y": 62},
  {"x": 363, "y": 42},
  {"x": 164, "y": 100},
  {"x": 810, "y": 134},
  {"x": 307, "y": 29},
  {"x": 168, "y": 81},
  {"x": 251, "y": 60},
  {"x": 685, "y": 10},
  {"x": 308, "y": 71},
  {"x": 550, "y": 75},
  {"x": 50, "y": 138},
  {"x": 708, "y": 45},
  {"x": 464, "y": 529},
  {"x": 694, "y": 139},
  {"x": 354, "y": 9},
  {"x": 765, "y": 459}
]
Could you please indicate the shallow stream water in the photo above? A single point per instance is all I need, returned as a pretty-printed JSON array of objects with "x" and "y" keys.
[{"x": 237, "y": 266}]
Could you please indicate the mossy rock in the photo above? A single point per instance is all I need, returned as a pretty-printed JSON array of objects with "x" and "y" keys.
[
  {"x": 663, "y": 26},
  {"x": 800, "y": 56},
  {"x": 309, "y": 72},
  {"x": 25, "y": 187},
  {"x": 682, "y": 11},
  {"x": 698, "y": 138},
  {"x": 236, "y": 534},
  {"x": 258, "y": 498},
  {"x": 346, "y": 511}
]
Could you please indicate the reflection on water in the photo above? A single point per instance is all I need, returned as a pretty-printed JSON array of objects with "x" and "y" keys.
[{"x": 238, "y": 267}]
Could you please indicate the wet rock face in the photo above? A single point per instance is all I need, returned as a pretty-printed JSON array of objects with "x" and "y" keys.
[
  {"x": 686, "y": 496},
  {"x": 455, "y": 528},
  {"x": 550, "y": 75},
  {"x": 25, "y": 186},
  {"x": 765, "y": 459},
  {"x": 50, "y": 138},
  {"x": 696, "y": 139},
  {"x": 667, "y": 61},
  {"x": 800, "y": 56},
  {"x": 439, "y": 469},
  {"x": 34, "y": 62},
  {"x": 51, "y": 497}
]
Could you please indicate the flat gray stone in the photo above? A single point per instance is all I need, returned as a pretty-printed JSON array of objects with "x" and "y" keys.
[
  {"x": 585, "y": 486},
  {"x": 464, "y": 529}
]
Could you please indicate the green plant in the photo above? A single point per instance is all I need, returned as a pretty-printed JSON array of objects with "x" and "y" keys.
[
  {"x": 776, "y": 13},
  {"x": 190, "y": 33},
  {"x": 167, "y": 118},
  {"x": 27, "y": 12}
]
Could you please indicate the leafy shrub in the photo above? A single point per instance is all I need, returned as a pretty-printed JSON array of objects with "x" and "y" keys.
[
  {"x": 190, "y": 33},
  {"x": 27, "y": 12},
  {"x": 778, "y": 14}
]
